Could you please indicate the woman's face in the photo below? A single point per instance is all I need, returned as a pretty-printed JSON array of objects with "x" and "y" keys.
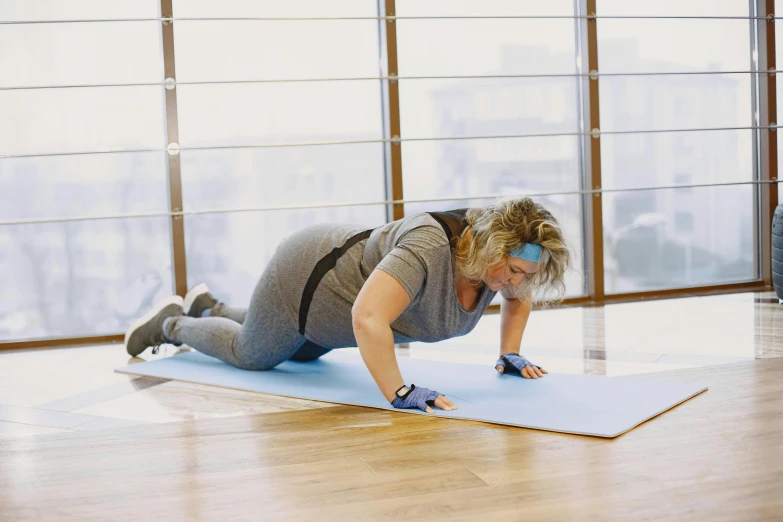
[{"x": 510, "y": 272}]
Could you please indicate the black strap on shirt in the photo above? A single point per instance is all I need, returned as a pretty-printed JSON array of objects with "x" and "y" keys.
[
  {"x": 453, "y": 223},
  {"x": 321, "y": 269}
]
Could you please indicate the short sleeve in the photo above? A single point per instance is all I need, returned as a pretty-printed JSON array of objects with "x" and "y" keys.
[{"x": 406, "y": 262}]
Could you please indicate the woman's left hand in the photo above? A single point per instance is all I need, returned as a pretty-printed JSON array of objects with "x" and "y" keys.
[{"x": 517, "y": 364}]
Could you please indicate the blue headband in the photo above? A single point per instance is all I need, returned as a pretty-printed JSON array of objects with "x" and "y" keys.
[{"x": 528, "y": 252}]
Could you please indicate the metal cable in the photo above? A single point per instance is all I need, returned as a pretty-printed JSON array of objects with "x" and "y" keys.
[
  {"x": 388, "y": 18},
  {"x": 370, "y": 203},
  {"x": 392, "y": 141},
  {"x": 382, "y": 78}
]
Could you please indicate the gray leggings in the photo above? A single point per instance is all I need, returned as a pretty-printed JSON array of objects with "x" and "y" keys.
[{"x": 257, "y": 338}]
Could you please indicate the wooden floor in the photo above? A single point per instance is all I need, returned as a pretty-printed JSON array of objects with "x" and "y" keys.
[{"x": 83, "y": 443}]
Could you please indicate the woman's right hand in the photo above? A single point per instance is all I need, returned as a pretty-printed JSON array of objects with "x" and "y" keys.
[{"x": 423, "y": 399}]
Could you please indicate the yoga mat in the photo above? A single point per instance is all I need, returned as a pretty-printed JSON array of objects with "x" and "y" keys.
[{"x": 580, "y": 404}]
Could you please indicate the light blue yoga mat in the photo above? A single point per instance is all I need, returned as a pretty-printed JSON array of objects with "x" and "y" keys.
[{"x": 580, "y": 404}]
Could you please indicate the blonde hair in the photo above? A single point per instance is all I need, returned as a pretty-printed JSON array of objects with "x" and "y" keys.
[{"x": 498, "y": 229}]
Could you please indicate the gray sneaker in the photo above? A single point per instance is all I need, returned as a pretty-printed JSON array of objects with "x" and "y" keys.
[
  {"x": 197, "y": 300},
  {"x": 148, "y": 330}
]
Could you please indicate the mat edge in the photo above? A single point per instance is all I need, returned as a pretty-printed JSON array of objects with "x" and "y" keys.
[{"x": 396, "y": 410}]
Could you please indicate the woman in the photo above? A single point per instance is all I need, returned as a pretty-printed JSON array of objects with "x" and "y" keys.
[{"x": 426, "y": 277}]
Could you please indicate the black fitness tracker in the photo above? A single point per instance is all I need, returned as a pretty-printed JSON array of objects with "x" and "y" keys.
[{"x": 404, "y": 391}]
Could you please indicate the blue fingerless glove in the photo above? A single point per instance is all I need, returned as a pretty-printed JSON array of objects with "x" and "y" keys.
[
  {"x": 416, "y": 398},
  {"x": 515, "y": 361}
]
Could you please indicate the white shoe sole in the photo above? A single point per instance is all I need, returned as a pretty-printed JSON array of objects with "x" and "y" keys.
[
  {"x": 160, "y": 305},
  {"x": 194, "y": 294}
]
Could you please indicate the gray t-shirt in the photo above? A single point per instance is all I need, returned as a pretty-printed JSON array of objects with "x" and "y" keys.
[{"x": 413, "y": 250}]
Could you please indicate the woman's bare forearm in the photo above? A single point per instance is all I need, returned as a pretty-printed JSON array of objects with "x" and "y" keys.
[
  {"x": 376, "y": 344},
  {"x": 513, "y": 320}
]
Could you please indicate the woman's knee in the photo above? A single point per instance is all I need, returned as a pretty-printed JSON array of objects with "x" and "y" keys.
[
  {"x": 256, "y": 365},
  {"x": 253, "y": 358}
]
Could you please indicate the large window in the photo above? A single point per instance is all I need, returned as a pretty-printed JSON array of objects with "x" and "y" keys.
[
  {"x": 228, "y": 251},
  {"x": 469, "y": 99},
  {"x": 676, "y": 237},
  {"x": 285, "y": 115},
  {"x": 80, "y": 278}
]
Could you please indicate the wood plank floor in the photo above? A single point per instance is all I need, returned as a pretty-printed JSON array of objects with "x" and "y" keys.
[{"x": 718, "y": 456}]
